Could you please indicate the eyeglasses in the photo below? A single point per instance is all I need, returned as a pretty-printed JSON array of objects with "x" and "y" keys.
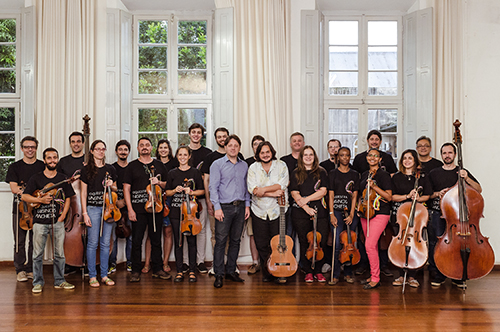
[
  {"x": 423, "y": 146},
  {"x": 373, "y": 155},
  {"x": 100, "y": 150},
  {"x": 28, "y": 147}
]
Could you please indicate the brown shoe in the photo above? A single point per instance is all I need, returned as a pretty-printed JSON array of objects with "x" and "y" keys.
[
  {"x": 135, "y": 277},
  {"x": 398, "y": 282},
  {"x": 162, "y": 275},
  {"x": 254, "y": 268},
  {"x": 349, "y": 279}
]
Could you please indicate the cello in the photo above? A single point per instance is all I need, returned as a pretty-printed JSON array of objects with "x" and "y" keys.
[
  {"x": 409, "y": 250},
  {"x": 462, "y": 252}
]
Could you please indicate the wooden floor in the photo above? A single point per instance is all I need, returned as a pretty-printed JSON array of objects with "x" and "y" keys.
[{"x": 156, "y": 305}]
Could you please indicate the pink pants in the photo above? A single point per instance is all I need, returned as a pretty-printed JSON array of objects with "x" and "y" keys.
[{"x": 377, "y": 226}]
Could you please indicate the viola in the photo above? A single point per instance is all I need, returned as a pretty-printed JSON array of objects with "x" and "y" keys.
[
  {"x": 462, "y": 252},
  {"x": 111, "y": 211},
  {"x": 282, "y": 262},
  {"x": 190, "y": 224},
  {"x": 349, "y": 254},
  {"x": 154, "y": 195},
  {"x": 409, "y": 250},
  {"x": 314, "y": 252}
]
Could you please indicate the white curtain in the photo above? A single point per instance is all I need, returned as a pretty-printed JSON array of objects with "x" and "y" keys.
[
  {"x": 262, "y": 71},
  {"x": 66, "y": 71},
  {"x": 449, "y": 20}
]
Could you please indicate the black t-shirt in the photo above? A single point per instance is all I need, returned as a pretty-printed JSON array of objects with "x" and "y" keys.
[
  {"x": 328, "y": 165},
  {"x": 46, "y": 212},
  {"x": 428, "y": 166},
  {"x": 387, "y": 163},
  {"x": 213, "y": 156},
  {"x": 137, "y": 175},
  {"x": 198, "y": 156},
  {"x": 441, "y": 179},
  {"x": 120, "y": 174},
  {"x": 69, "y": 165},
  {"x": 344, "y": 185},
  {"x": 309, "y": 187},
  {"x": 95, "y": 187},
  {"x": 20, "y": 173},
  {"x": 383, "y": 180},
  {"x": 402, "y": 184},
  {"x": 250, "y": 160},
  {"x": 176, "y": 178},
  {"x": 171, "y": 164},
  {"x": 291, "y": 163}
]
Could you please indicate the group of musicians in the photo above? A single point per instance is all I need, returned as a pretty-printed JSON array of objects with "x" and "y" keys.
[{"x": 232, "y": 194}]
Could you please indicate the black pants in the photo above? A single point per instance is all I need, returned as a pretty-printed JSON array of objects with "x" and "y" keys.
[
  {"x": 178, "y": 251},
  {"x": 303, "y": 226},
  {"x": 263, "y": 232},
  {"x": 21, "y": 262},
  {"x": 138, "y": 228}
]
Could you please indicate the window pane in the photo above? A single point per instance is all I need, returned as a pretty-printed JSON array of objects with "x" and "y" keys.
[
  {"x": 188, "y": 116},
  {"x": 343, "y": 32},
  {"x": 154, "y": 139},
  {"x": 7, "y": 30},
  {"x": 192, "y": 32},
  {"x": 7, "y": 56},
  {"x": 7, "y": 81},
  {"x": 151, "y": 120},
  {"x": 8, "y": 145},
  {"x": 343, "y": 58},
  {"x": 343, "y": 121},
  {"x": 4, "y": 165},
  {"x": 192, "y": 58},
  {"x": 382, "y": 58},
  {"x": 343, "y": 83},
  {"x": 383, "y": 83},
  {"x": 153, "y": 82},
  {"x": 153, "y": 32},
  {"x": 192, "y": 83},
  {"x": 153, "y": 57},
  {"x": 349, "y": 140},
  {"x": 7, "y": 118},
  {"x": 386, "y": 121},
  {"x": 382, "y": 33}
]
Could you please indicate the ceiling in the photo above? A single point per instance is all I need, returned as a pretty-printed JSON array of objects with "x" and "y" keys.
[
  {"x": 188, "y": 5},
  {"x": 365, "y": 5}
]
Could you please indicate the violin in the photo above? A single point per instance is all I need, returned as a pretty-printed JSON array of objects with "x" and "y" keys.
[
  {"x": 314, "y": 252},
  {"x": 409, "y": 250},
  {"x": 166, "y": 208},
  {"x": 51, "y": 189},
  {"x": 111, "y": 211},
  {"x": 154, "y": 194},
  {"x": 349, "y": 254},
  {"x": 282, "y": 262},
  {"x": 26, "y": 218},
  {"x": 122, "y": 229},
  {"x": 190, "y": 224},
  {"x": 365, "y": 206},
  {"x": 462, "y": 252}
]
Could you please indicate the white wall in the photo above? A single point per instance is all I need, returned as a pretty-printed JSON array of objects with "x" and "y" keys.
[{"x": 480, "y": 126}]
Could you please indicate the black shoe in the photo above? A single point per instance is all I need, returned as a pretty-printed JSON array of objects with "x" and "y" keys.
[
  {"x": 459, "y": 283},
  {"x": 280, "y": 280},
  {"x": 268, "y": 278},
  {"x": 365, "y": 281},
  {"x": 385, "y": 271},
  {"x": 202, "y": 268},
  {"x": 360, "y": 270},
  {"x": 234, "y": 277},
  {"x": 69, "y": 270},
  {"x": 437, "y": 281},
  {"x": 368, "y": 286},
  {"x": 185, "y": 268},
  {"x": 179, "y": 277},
  {"x": 218, "y": 281},
  {"x": 192, "y": 277},
  {"x": 135, "y": 277},
  {"x": 162, "y": 275}
]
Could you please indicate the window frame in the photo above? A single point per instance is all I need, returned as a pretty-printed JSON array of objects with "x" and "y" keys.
[
  {"x": 17, "y": 94},
  {"x": 4, "y": 187}
]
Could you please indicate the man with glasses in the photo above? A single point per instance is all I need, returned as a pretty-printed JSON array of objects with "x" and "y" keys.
[
  {"x": 17, "y": 177},
  {"x": 424, "y": 147}
]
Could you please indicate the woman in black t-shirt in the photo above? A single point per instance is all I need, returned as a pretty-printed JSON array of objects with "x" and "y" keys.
[
  {"x": 308, "y": 187},
  {"x": 380, "y": 183},
  {"x": 175, "y": 187},
  {"x": 92, "y": 192},
  {"x": 403, "y": 190}
]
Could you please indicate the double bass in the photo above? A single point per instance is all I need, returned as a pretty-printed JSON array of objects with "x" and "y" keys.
[{"x": 462, "y": 252}]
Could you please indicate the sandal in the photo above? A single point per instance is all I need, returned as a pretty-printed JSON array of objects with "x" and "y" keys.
[
  {"x": 93, "y": 282},
  {"x": 108, "y": 281},
  {"x": 166, "y": 268},
  {"x": 179, "y": 277},
  {"x": 192, "y": 277},
  {"x": 145, "y": 269}
]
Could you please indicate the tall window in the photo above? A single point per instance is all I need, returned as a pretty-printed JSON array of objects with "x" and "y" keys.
[
  {"x": 363, "y": 80},
  {"x": 9, "y": 92},
  {"x": 173, "y": 79}
]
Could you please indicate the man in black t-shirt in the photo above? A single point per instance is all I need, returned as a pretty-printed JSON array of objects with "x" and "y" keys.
[
  {"x": 48, "y": 218},
  {"x": 374, "y": 140},
  {"x": 331, "y": 163},
  {"x": 138, "y": 176},
  {"x": 17, "y": 177},
  {"x": 442, "y": 179},
  {"x": 424, "y": 147}
]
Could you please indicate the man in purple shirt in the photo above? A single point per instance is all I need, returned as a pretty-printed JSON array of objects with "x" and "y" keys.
[{"x": 231, "y": 200}]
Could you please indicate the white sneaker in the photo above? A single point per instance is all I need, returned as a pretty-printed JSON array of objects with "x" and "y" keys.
[
  {"x": 21, "y": 276},
  {"x": 211, "y": 272},
  {"x": 326, "y": 268}
]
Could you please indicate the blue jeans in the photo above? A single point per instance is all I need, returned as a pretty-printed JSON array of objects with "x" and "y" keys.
[
  {"x": 232, "y": 226},
  {"x": 94, "y": 239},
  {"x": 114, "y": 251},
  {"x": 40, "y": 234},
  {"x": 341, "y": 226}
]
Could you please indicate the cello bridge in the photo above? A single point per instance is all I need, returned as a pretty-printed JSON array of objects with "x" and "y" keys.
[{"x": 463, "y": 234}]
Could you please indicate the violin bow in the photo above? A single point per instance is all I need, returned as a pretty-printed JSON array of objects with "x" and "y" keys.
[{"x": 368, "y": 206}]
